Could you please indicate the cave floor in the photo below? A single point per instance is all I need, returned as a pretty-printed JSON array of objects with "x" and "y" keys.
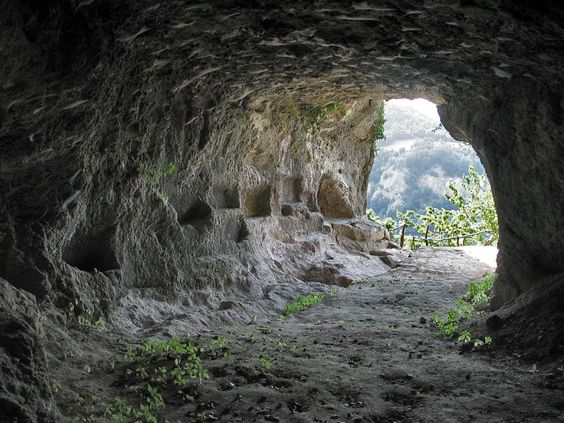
[{"x": 368, "y": 353}]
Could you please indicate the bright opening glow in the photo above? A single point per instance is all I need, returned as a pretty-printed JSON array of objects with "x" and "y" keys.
[
  {"x": 419, "y": 105},
  {"x": 412, "y": 170},
  {"x": 416, "y": 160}
]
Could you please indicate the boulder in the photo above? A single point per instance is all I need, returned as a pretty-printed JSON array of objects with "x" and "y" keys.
[
  {"x": 360, "y": 235},
  {"x": 334, "y": 198}
]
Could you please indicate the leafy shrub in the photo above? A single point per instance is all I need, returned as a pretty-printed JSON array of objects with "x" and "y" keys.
[
  {"x": 464, "y": 308},
  {"x": 472, "y": 222}
]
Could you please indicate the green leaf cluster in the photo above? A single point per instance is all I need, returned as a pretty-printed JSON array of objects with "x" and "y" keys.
[
  {"x": 473, "y": 221},
  {"x": 153, "y": 175},
  {"x": 318, "y": 115},
  {"x": 378, "y": 129},
  {"x": 388, "y": 223},
  {"x": 303, "y": 302},
  {"x": 184, "y": 354},
  {"x": 464, "y": 308}
]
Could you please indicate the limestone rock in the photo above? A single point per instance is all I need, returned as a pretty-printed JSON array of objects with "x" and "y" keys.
[
  {"x": 295, "y": 209},
  {"x": 24, "y": 389},
  {"x": 391, "y": 256},
  {"x": 360, "y": 235},
  {"x": 334, "y": 198},
  {"x": 157, "y": 160}
]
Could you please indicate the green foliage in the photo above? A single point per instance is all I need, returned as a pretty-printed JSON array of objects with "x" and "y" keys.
[
  {"x": 447, "y": 326},
  {"x": 318, "y": 115},
  {"x": 480, "y": 343},
  {"x": 184, "y": 354},
  {"x": 473, "y": 221},
  {"x": 265, "y": 364},
  {"x": 122, "y": 411},
  {"x": 464, "y": 308},
  {"x": 465, "y": 337},
  {"x": 85, "y": 318},
  {"x": 378, "y": 130},
  {"x": 388, "y": 223},
  {"x": 56, "y": 386},
  {"x": 215, "y": 348},
  {"x": 478, "y": 291},
  {"x": 303, "y": 302},
  {"x": 153, "y": 175}
]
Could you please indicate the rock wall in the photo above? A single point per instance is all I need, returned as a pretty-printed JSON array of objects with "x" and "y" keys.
[
  {"x": 167, "y": 159},
  {"x": 520, "y": 145}
]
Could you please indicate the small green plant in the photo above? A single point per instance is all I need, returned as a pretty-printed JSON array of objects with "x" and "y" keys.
[
  {"x": 479, "y": 291},
  {"x": 230, "y": 358},
  {"x": 318, "y": 115},
  {"x": 266, "y": 329},
  {"x": 141, "y": 372},
  {"x": 100, "y": 324},
  {"x": 86, "y": 318},
  {"x": 480, "y": 343},
  {"x": 215, "y": 348},
  {"x": 265, "y": 364},
  {"x": 465, "y": 337},
  {"x": 56, "y": 386},
  {"x": 333, "y": 291},
  {"x": 185, "y": 356},
  {"x": 153, "y": 175},
  {"x": 303, "y": 302},
  {"x": 447, "y": 326},
  {"x": 464, "y": 308},
  {"x": 129, "y": 353}
]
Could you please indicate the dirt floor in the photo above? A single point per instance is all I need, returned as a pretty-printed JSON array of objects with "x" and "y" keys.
[{"x": 366, "y": 353}]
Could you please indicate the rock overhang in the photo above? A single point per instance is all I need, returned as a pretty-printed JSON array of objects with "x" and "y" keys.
[{"x": 201, "y": 66}]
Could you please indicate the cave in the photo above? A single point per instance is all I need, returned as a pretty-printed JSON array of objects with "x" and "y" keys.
[{"x": 267, "y": 111}]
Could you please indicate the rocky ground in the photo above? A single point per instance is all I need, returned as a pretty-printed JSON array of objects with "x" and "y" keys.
[{"x": 366, "y": 353}]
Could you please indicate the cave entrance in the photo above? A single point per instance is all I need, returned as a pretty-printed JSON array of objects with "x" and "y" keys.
[{"x": 416, "y": 162}]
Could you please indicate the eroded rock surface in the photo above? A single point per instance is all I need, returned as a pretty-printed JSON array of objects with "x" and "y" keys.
[
  {"x": 25, "y": 394},
  {"x": 366, "y": 353},
  {"x": 163, "y": 157}
]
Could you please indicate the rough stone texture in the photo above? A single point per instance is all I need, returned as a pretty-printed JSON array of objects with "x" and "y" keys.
[
  {"x": 225, "y": 91},
  {"x": 520, "y": 145},
  {"x": 361, "y": 235},
  {"x": 333, "y": 197},
  {"x": 24, "y": 390},
  {"x": 253, "y": 103}
]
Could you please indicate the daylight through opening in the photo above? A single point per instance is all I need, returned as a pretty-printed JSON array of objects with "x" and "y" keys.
[{"x": 427, "y": 188}]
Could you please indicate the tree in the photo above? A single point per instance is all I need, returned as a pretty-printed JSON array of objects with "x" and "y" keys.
[{"x": 473, "y": 221}]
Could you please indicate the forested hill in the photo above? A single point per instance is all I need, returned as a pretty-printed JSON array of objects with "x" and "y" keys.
[{"x": 415, "y": 161}]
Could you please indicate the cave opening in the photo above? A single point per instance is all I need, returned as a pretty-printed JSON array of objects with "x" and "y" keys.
[
  {"x": 418, "y": 170},
  {"x": 266, "y": 112}
]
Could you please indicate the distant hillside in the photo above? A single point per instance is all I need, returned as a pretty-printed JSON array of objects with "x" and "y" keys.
[{"x": 415, "y": 161}]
